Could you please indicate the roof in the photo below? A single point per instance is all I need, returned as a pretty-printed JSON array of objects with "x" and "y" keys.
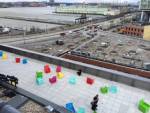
[{"x": 62, "y": 92}]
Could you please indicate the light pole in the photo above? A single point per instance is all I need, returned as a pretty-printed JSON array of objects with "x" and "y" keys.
[{"x": 24, "y": 34}]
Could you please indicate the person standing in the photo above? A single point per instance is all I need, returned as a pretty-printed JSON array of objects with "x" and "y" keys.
[{"x": 94, "y": 103}]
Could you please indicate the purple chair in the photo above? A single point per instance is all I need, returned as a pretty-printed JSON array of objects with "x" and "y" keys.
[{"x": 53, "y": 80}]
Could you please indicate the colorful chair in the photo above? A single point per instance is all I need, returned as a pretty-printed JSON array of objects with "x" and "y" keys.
[
  {"x": 89, "y": 81},
  {"x": 53, "y": 80},
  {"x": 104, "y": 90},
  {"x": 39, "y": 74},
  {"x": 81, "y": 110},
  {"x": 39, "y": 81},
  {"x": 1, "y": 53},
  {"x": 24, "y": 61},
  {"x": 113, "y": 89},
  {"x": 73, "y": 80},
  {"x": 60, "y": 75},
  {"x": 58, "y": 69},
  {"x": 17, "y": 60},
  {"x": 47, "y": 69},
  {"x": 143, "y": 106},
  {"x": 4, "y": 56},
  {"x": 70, "y": 107}
]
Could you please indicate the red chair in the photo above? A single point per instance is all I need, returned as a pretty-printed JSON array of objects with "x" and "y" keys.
[
  {"x": 89, "y": 81},
  {"x": 17, "y": 60},
  {"x": 47, "y": 69}
]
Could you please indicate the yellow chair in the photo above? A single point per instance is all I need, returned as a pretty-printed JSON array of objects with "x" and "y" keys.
[
  {"x": 5, "y": 56},
  {"x": 60, "y": 75}
]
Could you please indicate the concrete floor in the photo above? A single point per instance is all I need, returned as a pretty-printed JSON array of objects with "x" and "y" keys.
[{"x": 81, "y": 94}]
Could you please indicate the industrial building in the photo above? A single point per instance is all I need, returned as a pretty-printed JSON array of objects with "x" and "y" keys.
[
  {"x": 51, "y": 2},
  {"x": 146, "y": 33},
  {"x": 145, "y": 7},
  {"x": 136, "y": 30},
  {"x": 80, "y": 9},
  {"x": 133, "y": 30}
]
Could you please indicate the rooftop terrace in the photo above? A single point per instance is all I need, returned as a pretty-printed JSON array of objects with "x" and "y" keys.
[{"x": 124, "y": 100}]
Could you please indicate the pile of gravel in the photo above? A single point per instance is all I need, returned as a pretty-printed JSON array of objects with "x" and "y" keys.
[{"x": 32, "y": 107}]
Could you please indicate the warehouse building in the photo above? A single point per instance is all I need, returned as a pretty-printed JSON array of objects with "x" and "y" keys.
[
  {"x": 133, "y": 30},
  {"x": 147, "y": 33}
]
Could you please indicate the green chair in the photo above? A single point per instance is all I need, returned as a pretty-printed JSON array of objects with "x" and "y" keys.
[
  {"x": 143, "y": 106},
  {"x": 39, "y": 74},
  {"x": 104, "y": 90}
]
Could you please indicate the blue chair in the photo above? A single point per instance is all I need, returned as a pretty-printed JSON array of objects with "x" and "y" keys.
[
  {"x": 73, "y": 80},
  {"x": 24, "y": 61},
  {"x": 81, "y": 110},
  {"x": 1, "y": 53},
  {"x": 113, "y": 89},
  {"x": 39, "y": 81},
  {"x": 70, "y": 107}
]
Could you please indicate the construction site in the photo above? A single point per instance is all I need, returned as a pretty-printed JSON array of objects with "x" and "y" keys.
[
  {"x": 58, "y": 44},
  {"x": 117, "y": 49}
]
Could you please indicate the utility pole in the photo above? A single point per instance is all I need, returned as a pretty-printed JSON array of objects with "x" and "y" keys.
[{"x": 24, "y": 34}]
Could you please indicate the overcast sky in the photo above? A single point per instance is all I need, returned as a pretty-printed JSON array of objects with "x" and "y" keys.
[
  {"x": 89, "y": 1},
  {"x": 20, "y": 0}
]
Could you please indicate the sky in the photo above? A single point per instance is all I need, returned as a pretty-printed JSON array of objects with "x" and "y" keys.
[
  {"x": 20, "y": 0},
  {"x": 88, "y": 1}
]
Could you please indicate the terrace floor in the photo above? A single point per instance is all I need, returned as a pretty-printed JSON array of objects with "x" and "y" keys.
[{"x": 81, "y": 94}]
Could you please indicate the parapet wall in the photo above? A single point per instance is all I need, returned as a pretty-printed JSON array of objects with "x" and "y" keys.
[
  {"x": 128, "y": 79},
  {"x": 108, "y": 65}
]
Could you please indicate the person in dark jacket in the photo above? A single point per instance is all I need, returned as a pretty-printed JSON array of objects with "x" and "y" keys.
[
  {"x": 79, "y": 72},
  {"x": 94, "y": 103}
]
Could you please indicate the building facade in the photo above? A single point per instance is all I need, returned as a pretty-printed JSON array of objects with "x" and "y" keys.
[
  {"x": 146, "y": 35},
  {"x": 133, "y": 30},
  {"x": 51, "y": 1},
  {"x": 145, "y": 7}
]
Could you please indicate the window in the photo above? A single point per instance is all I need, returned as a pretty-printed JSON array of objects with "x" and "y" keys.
[{"x": 142, "y": 30}]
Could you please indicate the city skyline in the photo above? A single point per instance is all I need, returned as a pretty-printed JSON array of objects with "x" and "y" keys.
[{"x": 74, "y": 1}]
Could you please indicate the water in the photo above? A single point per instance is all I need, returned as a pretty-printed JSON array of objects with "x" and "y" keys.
[
  {"x": 31, "y": 11},
  {"x": 25, "y": 25},
  {"x": 40, "y": 13},
  {"x": 44, "y": 13},
  {"x": 36, "y": 12}
]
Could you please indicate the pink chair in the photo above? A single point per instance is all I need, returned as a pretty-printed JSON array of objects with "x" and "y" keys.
[{"x": 58, "y": 69}]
